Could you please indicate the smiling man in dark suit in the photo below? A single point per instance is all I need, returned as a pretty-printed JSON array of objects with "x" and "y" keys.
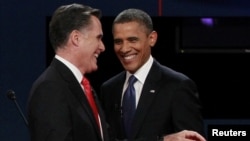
[
  {"x": 164, "y": 101},
  {"x": 58, "y": 108}
]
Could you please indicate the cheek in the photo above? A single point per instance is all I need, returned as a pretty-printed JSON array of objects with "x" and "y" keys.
[
  {"x": 116, "y": 48},
  {"x": 145, "y": 52}
]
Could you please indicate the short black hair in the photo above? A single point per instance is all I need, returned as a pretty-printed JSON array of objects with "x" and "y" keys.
[{"x": 137, "y": 15}]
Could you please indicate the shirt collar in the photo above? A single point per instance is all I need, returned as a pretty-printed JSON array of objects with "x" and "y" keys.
[
  {"x": 142, "y": 72},
  {"x": 77, "y": 73}
]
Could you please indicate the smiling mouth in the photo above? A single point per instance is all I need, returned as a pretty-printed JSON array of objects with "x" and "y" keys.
[
  {"x": 96, "y": 55},
  {"x": 129, "y": 57}
]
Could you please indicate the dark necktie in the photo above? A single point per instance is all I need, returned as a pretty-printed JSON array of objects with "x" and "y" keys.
[
  {"x": 129, "y": 106},
  {"x": 89, "y": 95}
]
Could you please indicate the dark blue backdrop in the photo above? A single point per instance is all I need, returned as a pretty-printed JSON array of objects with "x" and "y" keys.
[{"x": 23, "y": 43}]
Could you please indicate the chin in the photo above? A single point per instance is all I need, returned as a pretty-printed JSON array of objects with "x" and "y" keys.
[
  {"x": 95, "y": 68},
  {"x": 130, "y": 69}
]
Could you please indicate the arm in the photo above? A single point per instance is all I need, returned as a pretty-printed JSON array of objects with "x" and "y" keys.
[
  {"x": 186, "y": 108},
  {"x": 49, "y": 115}
]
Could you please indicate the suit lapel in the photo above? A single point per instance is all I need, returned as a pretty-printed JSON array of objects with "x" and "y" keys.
[
  {"x": 117, "y": 95},
  {"x": 85, "y": 109},
  {"x": 149, "y": 91},
  {"x": 118, "y": 91},
  {"x": 77, "y": 91},
  {"x": 102, "y": 116}
]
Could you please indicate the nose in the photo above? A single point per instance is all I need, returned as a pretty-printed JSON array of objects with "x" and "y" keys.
[{"x": 125, "y": 47}]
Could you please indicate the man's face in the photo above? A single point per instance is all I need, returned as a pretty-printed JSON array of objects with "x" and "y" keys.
[
  {"x": 132, "y": 44},
  {"x": 91, "y": 46}
]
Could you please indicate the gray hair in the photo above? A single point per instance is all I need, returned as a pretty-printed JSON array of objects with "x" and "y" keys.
[{"x": 67, "y": 18}]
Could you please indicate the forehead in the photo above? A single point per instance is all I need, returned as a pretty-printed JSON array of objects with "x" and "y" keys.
[
  {"x": 96, "y": 21},
  {"x": 128, "y": 27}
]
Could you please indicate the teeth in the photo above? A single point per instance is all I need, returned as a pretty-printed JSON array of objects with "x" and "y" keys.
[
  {"x": 96, "y": 55},
  {"x": 129, "y": 57}
]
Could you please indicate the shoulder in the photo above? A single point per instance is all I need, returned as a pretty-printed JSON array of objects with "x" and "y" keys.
[
  {"x": 169, "y": 73},
  {"x": 179, "y": 82}
]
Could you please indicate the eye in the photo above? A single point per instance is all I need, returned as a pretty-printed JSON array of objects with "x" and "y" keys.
[
  {"x": 133, "y": 39},
  {"x": 99, "y": 37},
  {"x": 117, "y": 41}
]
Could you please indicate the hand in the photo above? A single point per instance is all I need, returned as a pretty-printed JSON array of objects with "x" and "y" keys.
[{"x": 185, "y": 135}]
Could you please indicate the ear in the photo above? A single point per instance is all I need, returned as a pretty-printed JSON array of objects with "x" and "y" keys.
[
  {"x": 74, "y": 37},
  {"x": 153, "y": 38}
]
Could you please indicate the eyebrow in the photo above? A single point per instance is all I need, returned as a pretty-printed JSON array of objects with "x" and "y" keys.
[{"x": 100, "y": 36}]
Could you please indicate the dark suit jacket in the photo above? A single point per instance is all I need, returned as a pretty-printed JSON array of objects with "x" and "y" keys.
[
  {"x": 169, "y": 103},
  {"x": 58, "y": 109}
]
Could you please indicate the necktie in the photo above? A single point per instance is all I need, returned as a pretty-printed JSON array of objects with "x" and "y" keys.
[
  {"x": 128, "y": 106},
  {"x": 89, "y": 95}
]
